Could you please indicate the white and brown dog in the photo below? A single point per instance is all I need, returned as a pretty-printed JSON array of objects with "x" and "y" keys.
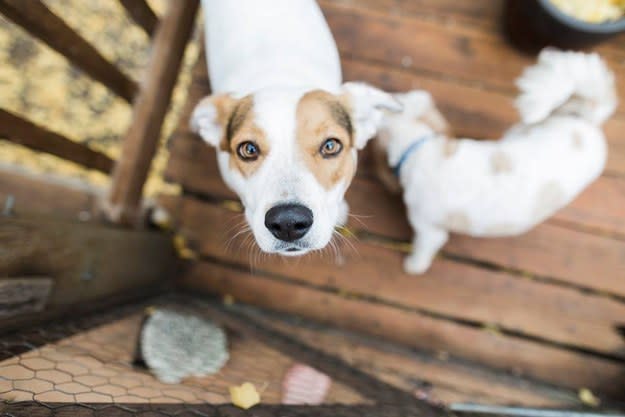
[
  {"x": 286, "y": 131},
  {"x": 502, "y": 188}
]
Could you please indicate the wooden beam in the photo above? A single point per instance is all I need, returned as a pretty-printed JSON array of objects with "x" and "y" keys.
[
  {"x": 142, "y": 138},
  {"x": 30, "y": 194},
  {"x": 141, "y": 12},
  {"x": 42, "y": 23},
  {"x": 26, "y": 133},
  {"x": 88, "y": 263}
]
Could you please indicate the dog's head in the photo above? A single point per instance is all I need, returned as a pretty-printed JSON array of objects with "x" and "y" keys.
[{"x": 290, "y": 155}]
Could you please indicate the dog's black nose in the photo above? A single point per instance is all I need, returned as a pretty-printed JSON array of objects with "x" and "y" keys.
[{"x": 289, "y": 222}]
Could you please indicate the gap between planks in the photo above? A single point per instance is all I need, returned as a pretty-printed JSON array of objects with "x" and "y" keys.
[
  {"x": 513, "y": 303},
  {"x": 516, "y": 355}
]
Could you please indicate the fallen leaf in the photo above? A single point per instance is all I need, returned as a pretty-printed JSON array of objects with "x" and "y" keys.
[
  {"x": 588, "y": 398},
  {"x": 244, "y": 396},
  {"x": 228, "y": 300},
  {"x": 183, "y": 251}
]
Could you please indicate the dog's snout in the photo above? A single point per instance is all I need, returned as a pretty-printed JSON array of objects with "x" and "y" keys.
[{"x": 289, "y": 222}]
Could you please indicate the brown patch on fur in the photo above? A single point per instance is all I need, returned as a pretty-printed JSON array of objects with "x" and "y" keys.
[
  {"x": 321, "y": 115},
  {"x": 500, "y": 163},
  {"x": 578, "y": 141},
  {"x": 550, "y": 198},
  {"x": 450, "y": 147},
  {"x": 238, "y": 116},
  {"x": 224, "y": 104},
  {"x": 457, "y": 221},
  {"x": 240, "y": 127},
  {"x": 435, "y": 121}
]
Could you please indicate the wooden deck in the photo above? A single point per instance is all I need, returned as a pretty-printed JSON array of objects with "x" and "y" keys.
[
  {"x": 89, "y": 360},
  {"x": 548, "y": 305}
]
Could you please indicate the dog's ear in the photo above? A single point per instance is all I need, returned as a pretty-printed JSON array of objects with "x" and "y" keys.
[
  {"x": 367, "y": 105},
  {"x": 210, "y": 117}
]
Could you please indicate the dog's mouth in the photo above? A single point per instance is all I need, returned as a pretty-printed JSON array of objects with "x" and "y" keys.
[{"x": 292, "y": 250}]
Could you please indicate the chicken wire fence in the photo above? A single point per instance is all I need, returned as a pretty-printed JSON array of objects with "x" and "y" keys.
[{"x": 86, "y": 367}]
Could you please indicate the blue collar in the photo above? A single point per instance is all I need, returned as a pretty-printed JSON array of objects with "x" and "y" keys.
[{"x": 413, "y": 147}]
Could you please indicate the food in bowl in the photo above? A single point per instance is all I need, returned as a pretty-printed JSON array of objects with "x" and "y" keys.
[{"x": 592, "y": 11}]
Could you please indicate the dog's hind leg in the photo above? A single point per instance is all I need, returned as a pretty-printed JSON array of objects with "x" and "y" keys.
[{"x": 428, "y": 240}]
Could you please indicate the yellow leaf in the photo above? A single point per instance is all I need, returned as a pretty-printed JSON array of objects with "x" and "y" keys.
[
  {"x": 244, "y": 396},
  {"x": 588, "y": 398},
  {"x": 184, "y": 252},
  {"x": 228, "y": 300}
]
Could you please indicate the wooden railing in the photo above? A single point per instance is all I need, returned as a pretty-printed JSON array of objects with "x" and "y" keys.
[{"x": 150, "y": 99}]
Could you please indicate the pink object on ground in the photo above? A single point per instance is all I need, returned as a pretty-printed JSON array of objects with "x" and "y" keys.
[{"x": 304, "y": 385}]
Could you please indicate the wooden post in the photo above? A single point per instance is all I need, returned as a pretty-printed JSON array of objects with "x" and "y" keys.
[
  {"x": 89, "y": 264},
  {"x": 142, "y": 138}
]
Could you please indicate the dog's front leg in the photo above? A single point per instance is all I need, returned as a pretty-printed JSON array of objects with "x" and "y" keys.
[{"x": 425, "y": 245}]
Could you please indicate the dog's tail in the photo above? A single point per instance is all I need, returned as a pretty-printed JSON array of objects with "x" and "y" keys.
[{"x": 567, "y": 82}]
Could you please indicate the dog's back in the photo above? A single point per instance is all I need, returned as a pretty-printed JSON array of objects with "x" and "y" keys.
[
  {"x": 487, "y": 188},
  {"x": 254, "y": 44}
]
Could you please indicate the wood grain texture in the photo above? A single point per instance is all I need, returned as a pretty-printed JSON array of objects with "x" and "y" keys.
[
  {"x": 439, "y": 375},
  {"x": 41, "y": 195},
  {"x": 561, "y": 367},
  {"x": 141, "y": 12},
  {"x": 141, "y": 140},
  {"x": 88, "y": 263},
  {"x": 42, "y": 23},
  {"x": 449, "y": 289},
  {"x": 26, "y": 133},
  {"x": 443, "y": 51}
]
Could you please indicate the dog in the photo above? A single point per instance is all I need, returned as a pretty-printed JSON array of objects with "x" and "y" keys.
[
  {"x": 285, "y": 128},
  {"x": 506, "y": 187}
]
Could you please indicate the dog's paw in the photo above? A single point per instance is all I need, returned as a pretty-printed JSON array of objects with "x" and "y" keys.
[{"x": 416, "y": 265}]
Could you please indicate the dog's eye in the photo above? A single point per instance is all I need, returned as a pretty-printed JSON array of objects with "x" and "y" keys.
[
  {"x": 330, "y": 148},
  {"x": 248, "y": 151}
]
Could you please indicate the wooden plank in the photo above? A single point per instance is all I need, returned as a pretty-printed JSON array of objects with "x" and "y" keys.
[
  {"x": 473, "y": 112},
  {"x": 89, "y": 263},
  {"x": 482, "y": 17},
  {"x": 26, "y": 133},
  {"x": 437, "y": 50},
  {"x": 442, "y": 377},
  {"x": 141, "y": 12},
  {"x": 484, "y": 14},
  {"x": 142, "y": 138},
  {"x": 42, "y": 195},
  {"x": 561, "y": 367},
  {"x": 40, "y": 22},
  {"x": 450, "y": 289}
]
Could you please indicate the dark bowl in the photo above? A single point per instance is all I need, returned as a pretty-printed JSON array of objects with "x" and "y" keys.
[{"x": 533, "y": 24}]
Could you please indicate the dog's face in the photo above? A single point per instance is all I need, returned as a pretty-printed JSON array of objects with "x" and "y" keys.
[{"x": 290, "y": 155}]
